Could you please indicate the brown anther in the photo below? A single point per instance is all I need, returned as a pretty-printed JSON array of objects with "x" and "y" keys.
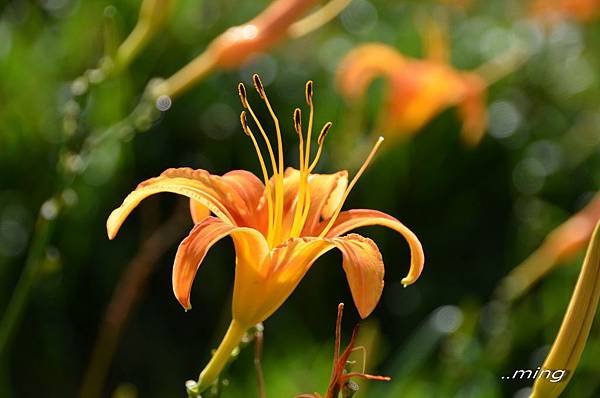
[
  {"x": 309, "y": 92},
  {"x": 259, "y": 86},
  {"x": 244, "y": 123},
  {"x": 298, "y": 120},
  {"x": 243, "y": 96},
  {"x": 324, "y": 132}
]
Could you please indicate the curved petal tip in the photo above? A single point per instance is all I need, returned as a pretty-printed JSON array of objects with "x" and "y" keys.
[
  {"x": 113, "y": 223},
  {"x": 416, "y": 264}
]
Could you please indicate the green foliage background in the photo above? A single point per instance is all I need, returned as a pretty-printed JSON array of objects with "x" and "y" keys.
[{"x": 478, "y": 212}]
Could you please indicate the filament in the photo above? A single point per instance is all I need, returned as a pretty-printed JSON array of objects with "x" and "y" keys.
[
  {"x": 295, "y": 231},
  {"x": 350, "y": 186},
  {"x": 320, "y": 141},
  {"x": 278, "y": 174},
  {"x": 246, "y": 104},
  {"x": 303, "y": 194},
  {"x": 309, "y": 101},
  {"x": 263, "y": 167}
]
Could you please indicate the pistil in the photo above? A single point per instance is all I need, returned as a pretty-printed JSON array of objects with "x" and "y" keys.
[{"x": 350, "y": 186}]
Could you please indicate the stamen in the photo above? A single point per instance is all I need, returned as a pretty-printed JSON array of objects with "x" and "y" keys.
[
  {"x": 243, "y": 96},
  {"x": 244, "y": 123},
  {"x": 246, "y": 104},
  {"x": 263, "y": 95},
  {"x": 259, "y": 86},
  {"x": 298, "y": 128},
  {"x": 306, "y": 207},
  {"x": 303, "y": 194},
  {"x": 298, "y": 121},
  {"x": 309, "y": 101},
  {"x": 350, "y": 186},
  {"x": 300, "y": 196},
  {"x": 324, "y": 132},
  {"x": 320, "y": 141},
  {"x": 278, "y": 174},
  {"x": 309, "y": 92},
  {"x": 263, "y": 167}
]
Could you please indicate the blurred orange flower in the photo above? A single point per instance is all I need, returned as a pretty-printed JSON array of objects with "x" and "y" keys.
[
  {"x": 280, "y": 20},
  {"x": 562, "y": 243},
  {"x": 555, "y": 10},
  {"x": 418, "y": 89},
  {"x": 279, "y": 228}
]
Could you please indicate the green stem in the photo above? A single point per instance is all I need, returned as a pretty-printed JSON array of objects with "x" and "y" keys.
[
  {"x": 221, "y": 356},
  {"x": 132, "y": 45},
  {"x": 29, "y": 275}
]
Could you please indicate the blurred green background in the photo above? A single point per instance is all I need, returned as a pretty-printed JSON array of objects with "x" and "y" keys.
[{"x": 478, "y": 212}]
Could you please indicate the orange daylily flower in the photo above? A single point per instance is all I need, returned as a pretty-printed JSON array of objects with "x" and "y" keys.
[
  {"x": 279, "y": 227},
  {"x": 418, "y": 89},
  {"x": 553, "y": 11}
]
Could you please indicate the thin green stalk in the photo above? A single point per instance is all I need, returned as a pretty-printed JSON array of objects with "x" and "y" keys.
[
  {"x": 152, "y": 14},
  {"x": 31, "y": 271}
]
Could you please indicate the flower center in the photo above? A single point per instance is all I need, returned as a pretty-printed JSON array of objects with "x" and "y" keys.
[{"x": 274, "y": 186}]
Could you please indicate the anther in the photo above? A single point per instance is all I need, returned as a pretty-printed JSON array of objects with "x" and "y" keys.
[
  {"x": 324, "y": 132},
  {"x": 309, "y": 92},
  {"x": 298, "y": 120},
  {"x": 243, "y": 96},
  {"x": 244, "y": 123},
  {"x": 259, "y": 86}
]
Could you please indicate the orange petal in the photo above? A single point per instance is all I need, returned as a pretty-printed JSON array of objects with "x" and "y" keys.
[
  {"x": 352, "y": 219},
  {"x": 194, "y": 247},
  {"x": 364, "y": 269},
  {"x": 242, "y": 192},
  {"x": 364, "y": 64},
  {"x": 260, "y": 291},
  {"x": 198, "y": 211},
  {"x": 418, "y": 93},
  {"x": 246, "y": 185},
  {"x": 218, "y": 194},
  {"x": 472, "y": 109},
  {"x": 326, "y": 191}
]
